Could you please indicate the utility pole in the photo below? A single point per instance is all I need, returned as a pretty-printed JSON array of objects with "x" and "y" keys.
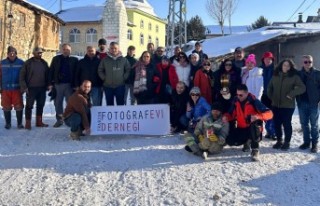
[
  {"x": 177, "y": 21},
  {"x": 60, "y": 5}
]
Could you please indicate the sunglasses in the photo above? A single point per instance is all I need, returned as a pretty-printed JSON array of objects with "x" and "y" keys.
[
  {"x": 195, "y": 95},
  {"x": 207, "y": 65},
  {"x": 240, "y": 95},
  {"x": 228, "y": 65},
  {"x": 307, "y": 62}
]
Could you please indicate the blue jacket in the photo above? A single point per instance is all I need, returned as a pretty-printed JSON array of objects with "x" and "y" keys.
[
  {"x": 10, "y": 74},
  {"x": 201, "y": 108},
  {"x": 312, "y": 82},
  {"x": 267, "y": 75}
]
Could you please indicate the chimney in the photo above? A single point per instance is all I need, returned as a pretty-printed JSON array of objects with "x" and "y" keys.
[{"x": 300, "y": 18}]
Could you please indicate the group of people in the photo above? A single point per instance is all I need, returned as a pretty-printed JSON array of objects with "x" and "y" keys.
[{"x": 230, "y": 105}]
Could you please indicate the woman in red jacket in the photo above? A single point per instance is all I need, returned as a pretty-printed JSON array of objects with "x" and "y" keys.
[
  {"x": 204, "y": 80},
  {"x": 168, "y": 80}
]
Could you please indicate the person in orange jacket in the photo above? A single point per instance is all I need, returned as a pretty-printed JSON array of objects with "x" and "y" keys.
[{"x": 248, "y": 114}]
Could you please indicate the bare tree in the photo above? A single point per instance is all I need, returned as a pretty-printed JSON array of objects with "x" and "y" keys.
[
  {"x": 220, "y": 10},
  {"x": 232, "y": 5}
]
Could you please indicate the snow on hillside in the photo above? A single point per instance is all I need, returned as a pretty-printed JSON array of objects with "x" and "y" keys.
[{"x": 44, "y": 167}]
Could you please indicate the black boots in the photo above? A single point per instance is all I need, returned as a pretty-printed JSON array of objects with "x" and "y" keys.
[
  {"x": 19, "y": 119},
  {"x": 7, "y": 117}
]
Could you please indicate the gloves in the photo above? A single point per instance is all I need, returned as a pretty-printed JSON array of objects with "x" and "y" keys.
[
  {"x": 221, "y": 141},
  {"x": 201, "y": 138},
  {"x": 213, "y": 138}
]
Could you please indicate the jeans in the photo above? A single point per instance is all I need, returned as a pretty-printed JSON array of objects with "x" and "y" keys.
[
  {"x": 117, "y": 92},
  {"x": 96, "y": 96},
  {"x": 74, "y": 121},
  {"x": 283, "y": 117},
  {"x": 270, "y": 127},
  {"x": 309, "y": 114},
  {"x": 64, "y": 90},
  {"x": 129, "y": 91}
]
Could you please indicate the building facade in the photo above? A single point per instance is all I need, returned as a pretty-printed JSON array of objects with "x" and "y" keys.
[
  {"x": 84, "y": 26},
  {"x": 25, "y": 26}
]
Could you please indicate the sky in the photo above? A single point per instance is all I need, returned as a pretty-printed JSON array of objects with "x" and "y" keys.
[{"x": 247, "y": 11}]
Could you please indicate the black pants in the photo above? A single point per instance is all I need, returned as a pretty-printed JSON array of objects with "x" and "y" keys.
[
  {"x": 239, "y": 136},
  {"x": 283, "y": 116},
  {"x": 38, "y": 95}
]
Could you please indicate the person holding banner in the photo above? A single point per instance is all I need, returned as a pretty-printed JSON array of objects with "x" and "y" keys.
[
  {"x": 209, "y": 135},
  {"x": 77, "y": 112}
]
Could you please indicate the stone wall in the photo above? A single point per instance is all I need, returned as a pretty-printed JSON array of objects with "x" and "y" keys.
[{"x": 27, "y": 30}]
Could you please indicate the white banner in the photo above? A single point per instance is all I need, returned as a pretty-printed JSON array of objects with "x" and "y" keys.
[{"x": 152, "y": 119}]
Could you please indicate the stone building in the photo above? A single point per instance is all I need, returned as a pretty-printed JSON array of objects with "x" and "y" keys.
[
  {"x": 25, "y": 25},
  {"x": 86, "y": 25}
]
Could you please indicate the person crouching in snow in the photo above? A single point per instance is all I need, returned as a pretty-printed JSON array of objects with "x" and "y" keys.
[
  {"x": 248, "y": 114},
  {"x": 209, "y": 135},
  {"x": 77, "y": 112}
]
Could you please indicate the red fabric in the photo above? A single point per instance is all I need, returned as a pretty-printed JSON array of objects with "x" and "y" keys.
[
  {"x": 240, "y": 115},
  {"x": 202, "y": 81},
  {"x": 173, "y": 77},
  {"x": 11, "y": 98}
]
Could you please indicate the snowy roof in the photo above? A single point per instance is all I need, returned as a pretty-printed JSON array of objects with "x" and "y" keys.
[
  {"x": 89, "y": 13},
  {"x": 215, "y": 29},
  {"x": 142, "y": 5},
  {"x": 219, "y": 46},
  {"x": 92, "y": 13}
]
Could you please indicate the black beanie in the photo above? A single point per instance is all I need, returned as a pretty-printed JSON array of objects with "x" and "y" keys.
[
  {"x": 102, "y": 42},
  {"x": 12, "y": 49},
  {"x": 216, "y": 106}
]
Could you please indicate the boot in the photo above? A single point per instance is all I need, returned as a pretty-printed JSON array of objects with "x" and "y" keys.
[
  {"x": 39, "y": 122},
  {"x": 247, "y": 146},
  {"x": 19, "y": 119},
  {"x": 59, "y": 121},
  {"x": 28, "y": 124},
  {"x": 314, "y": 148},
  {"x": 75, "y": 135},
  {"x": 7, "y": 117},
  {"x": 304, "y": 146},
  {"x": 255, "y": 155},
  {"x": 285, "y": 146}
]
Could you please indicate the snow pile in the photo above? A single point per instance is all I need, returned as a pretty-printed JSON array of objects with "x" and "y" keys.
[{"x": 44, "y": 167}]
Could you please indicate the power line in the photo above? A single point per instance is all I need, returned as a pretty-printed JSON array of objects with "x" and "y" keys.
[
  {"x": 304, "y": 1},
  {"x": 309, "y": 6},
  {"x": 52, "y": 4}
]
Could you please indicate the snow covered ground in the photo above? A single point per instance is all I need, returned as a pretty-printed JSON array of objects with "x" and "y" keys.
[{"x": 44, "y": 167}]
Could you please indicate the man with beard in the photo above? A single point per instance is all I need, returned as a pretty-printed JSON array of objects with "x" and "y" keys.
[
  {"x": 77, "y": 112},
  {"x": 209, "y": 135}
]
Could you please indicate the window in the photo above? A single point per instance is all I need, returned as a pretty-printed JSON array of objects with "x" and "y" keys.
[
  {"x": 157, "y": 42},
  {"x": 22, "y": 19},
  {"x": 149, "y": 39},
  {"x": 91, "y": 36},
  {"x": 150, "y": 26},
  {"x": 141, "y": 39},
  {"x": 129, "y": 34},
  {"x": 141, "y": 24},
  {"x": 74, "y": 36},
  {"x": 157, "y": 28}
]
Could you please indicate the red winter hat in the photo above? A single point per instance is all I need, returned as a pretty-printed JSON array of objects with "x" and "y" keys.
[{"x": 267, "y": 55}]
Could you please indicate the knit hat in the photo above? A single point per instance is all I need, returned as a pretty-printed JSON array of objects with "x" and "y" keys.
[
  {"x": 238, "y": 49},
  {"x": 195, "y": 55},
  {"x": 166, "y": 58},
  {"x": 195, "y": 90},
  {"x": 216, "y": 106},
  {"x": 251, "y": 58},
  {"x": 12, "y": 49},
  {"x": 102, "y": 42},
  {"x": 267, "y": 55}
]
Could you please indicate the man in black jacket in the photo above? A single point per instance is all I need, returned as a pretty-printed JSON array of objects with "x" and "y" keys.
[
  {"x": 88, "y": 70},
  {"x": 308, "y": 104},
  {"x": 62, "y": 70}
]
